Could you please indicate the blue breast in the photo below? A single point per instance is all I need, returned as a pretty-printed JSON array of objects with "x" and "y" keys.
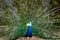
[{"x": 29, "y": 31}]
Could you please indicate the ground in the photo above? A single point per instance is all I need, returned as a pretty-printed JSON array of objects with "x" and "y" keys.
[{"x": 33, "y": 38}]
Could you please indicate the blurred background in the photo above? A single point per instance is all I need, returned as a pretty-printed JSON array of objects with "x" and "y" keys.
[{"x": 45, "y": 14}]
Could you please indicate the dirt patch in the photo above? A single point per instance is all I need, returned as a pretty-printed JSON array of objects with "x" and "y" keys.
[{"x": 33, "y": 38}]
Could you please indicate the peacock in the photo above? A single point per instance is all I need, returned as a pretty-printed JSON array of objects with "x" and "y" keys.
[
  {"x": 17, "y": 14},
  {"x": 29, "y": 30}
]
